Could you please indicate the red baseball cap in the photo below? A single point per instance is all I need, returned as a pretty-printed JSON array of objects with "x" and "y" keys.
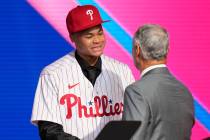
[{"x": 83, "y": 17}]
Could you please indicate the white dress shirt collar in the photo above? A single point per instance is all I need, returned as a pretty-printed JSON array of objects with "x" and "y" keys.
[{"x": 152, "y": 67}]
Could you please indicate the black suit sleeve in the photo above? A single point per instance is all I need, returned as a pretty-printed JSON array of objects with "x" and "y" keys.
[{"x": 53, "y": 131}]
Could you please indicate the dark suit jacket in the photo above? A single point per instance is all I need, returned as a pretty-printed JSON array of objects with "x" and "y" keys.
[{"x": 163, "y": 104}]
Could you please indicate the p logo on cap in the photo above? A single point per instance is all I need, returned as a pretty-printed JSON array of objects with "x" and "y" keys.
[
  {"x": 83, "y": 17},
  {"x": 90, "y": 12}
]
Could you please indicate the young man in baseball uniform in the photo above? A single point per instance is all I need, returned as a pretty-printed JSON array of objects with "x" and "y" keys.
[{"x": 81, "y": 92}]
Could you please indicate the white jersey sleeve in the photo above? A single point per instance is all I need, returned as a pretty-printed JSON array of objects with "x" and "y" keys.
[
  {"x": 46, "y": 103},
  {"x": 130, "y": 76}
]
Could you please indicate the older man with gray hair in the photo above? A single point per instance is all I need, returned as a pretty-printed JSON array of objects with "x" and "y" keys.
[{"x": 161, "y": 102}]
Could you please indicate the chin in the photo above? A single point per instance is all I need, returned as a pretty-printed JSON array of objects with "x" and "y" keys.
[{"x": 97, "y": 54}]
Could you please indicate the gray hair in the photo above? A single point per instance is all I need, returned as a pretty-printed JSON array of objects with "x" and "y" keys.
[{"x": 153, "y": 41}]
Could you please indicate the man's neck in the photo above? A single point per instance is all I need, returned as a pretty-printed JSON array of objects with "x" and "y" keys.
[
  {"x": 147, "y": 63},
  {"x": 91, "y": 60}
]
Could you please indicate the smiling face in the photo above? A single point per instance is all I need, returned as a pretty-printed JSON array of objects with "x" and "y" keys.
[{"x": 90, "y": 43}]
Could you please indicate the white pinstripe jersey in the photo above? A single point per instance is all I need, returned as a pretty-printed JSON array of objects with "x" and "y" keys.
[{"x": 65, "y": 96}]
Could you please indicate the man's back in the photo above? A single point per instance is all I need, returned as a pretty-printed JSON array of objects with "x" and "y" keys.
[{"x": 163, "y": 104}]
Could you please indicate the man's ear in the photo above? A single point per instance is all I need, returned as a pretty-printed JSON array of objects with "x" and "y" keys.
[{"x": 138, "y": 50}]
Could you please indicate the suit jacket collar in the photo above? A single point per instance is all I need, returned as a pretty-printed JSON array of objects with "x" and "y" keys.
[
  {"x": 160, "y": 70},
  {"x": 152, "y": 67}
]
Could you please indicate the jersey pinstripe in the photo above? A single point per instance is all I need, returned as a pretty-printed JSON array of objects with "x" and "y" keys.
[{"x": 65, "y": 96}]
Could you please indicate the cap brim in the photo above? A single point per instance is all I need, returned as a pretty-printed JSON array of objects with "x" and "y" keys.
[{"x": 106, "y": 21}]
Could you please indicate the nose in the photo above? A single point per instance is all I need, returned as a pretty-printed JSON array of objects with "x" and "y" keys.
[{"x": 96, "y": 39}]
